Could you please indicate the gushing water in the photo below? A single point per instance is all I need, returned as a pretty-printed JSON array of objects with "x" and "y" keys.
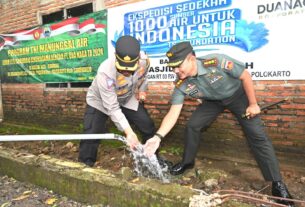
[{"x": 147, "y": 166}]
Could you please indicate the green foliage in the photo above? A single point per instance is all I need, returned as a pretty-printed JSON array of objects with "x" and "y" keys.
[
  {"x": 174, "y": 150},
  {"x": 112, "y": 144},
  {"x": 114, "y": 130},
  {"x": 81, "y": 127},
  {"x": 11, "y": 129}
]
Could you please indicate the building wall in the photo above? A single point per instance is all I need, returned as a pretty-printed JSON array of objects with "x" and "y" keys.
[{"x": 285, "y": 124}]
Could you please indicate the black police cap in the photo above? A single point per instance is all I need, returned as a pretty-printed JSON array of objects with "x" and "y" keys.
[
  {"x": 127, "y": 50},
  {"x": 178, "y": 53}
]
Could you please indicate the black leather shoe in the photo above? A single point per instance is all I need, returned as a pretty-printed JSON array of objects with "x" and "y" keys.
[
  {"x": 164, "y": 163},
  {"x": 88, "y": 162},
  {"x": 279, "y": 189},
  {"x": 179, "y": 168}
]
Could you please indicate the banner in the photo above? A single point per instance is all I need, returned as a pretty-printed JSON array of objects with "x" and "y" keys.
[
  {"x": 265, "y": 34},
  {"x": 67, "y": 51}
]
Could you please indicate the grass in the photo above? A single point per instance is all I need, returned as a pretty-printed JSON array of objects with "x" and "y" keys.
[
  {"x": 13, "y": 128},
  {"x": 7, "y": 128},
  {"x": 174, "y": 150}
]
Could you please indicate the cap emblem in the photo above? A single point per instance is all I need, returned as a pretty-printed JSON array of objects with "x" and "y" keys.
[
  {"x": 127, "y": 58},
  {"x": 169, "y": 54}
]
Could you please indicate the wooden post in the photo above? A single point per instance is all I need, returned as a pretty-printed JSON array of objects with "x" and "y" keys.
[{"x": 99, "y": 5}]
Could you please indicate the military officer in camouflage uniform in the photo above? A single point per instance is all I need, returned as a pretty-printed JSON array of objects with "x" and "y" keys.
[
  {"x": 113, "y": 93},
  {"x": 221, "y": 82}
]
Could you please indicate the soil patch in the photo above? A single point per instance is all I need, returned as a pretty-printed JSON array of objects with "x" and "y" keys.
[{"x": 15, "y": 194}]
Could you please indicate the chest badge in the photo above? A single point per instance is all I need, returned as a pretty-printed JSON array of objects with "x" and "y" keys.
[
  {"x": 212, "y": 77},
  {"x": 189, "y": 87},
  {"x": 122, "y": 82},
  {"x": 192, "y": 93}
]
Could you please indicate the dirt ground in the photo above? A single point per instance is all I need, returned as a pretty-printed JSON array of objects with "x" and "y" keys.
[
  {"x": 20, "y": 194},
  {"x": 229, "y": 175}
]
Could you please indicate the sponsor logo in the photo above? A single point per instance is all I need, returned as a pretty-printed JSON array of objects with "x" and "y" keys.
[
  {"x": 36, "y": 35},
  {"x": 280, "y": 8}
]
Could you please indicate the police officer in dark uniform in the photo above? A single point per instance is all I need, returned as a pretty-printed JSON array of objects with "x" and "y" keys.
[
  {"x": 220, "y": 82},
  {"x": 115, "y": 92}
]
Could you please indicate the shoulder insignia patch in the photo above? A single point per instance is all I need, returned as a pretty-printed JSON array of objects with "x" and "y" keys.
[
  {"x": 210, "y": 62},
  {"x": 147, "y": 63},
  {"x": 110, "y": 82},
  {"x": 120, "y": 77},
  {"x": 227, "y": 64},
  {"x": 141, "y": 71},
  {"x": 178, "y": 83}
]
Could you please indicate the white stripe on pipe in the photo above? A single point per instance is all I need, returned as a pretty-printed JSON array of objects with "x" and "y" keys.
[{"x": 8, "y": 138}]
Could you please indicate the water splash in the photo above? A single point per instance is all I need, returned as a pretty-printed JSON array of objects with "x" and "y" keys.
[{"x": 147, "y": 166}]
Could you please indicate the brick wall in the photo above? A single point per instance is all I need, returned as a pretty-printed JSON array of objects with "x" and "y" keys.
[
  {"x": 285, "y": 125},
  {"x": 114, "y": 3},
  {"x": 35, "y": 98}
]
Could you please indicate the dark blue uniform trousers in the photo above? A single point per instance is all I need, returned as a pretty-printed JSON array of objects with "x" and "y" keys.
[
  {"x": 95, "y": 123},
  {"x": 258, "y": 141}
]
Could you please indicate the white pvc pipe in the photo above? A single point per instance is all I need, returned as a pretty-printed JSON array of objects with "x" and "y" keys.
[{"x": 40, "y": 137}]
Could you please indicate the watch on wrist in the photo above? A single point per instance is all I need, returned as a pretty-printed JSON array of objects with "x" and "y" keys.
[{"x": 159, "y": 135}]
